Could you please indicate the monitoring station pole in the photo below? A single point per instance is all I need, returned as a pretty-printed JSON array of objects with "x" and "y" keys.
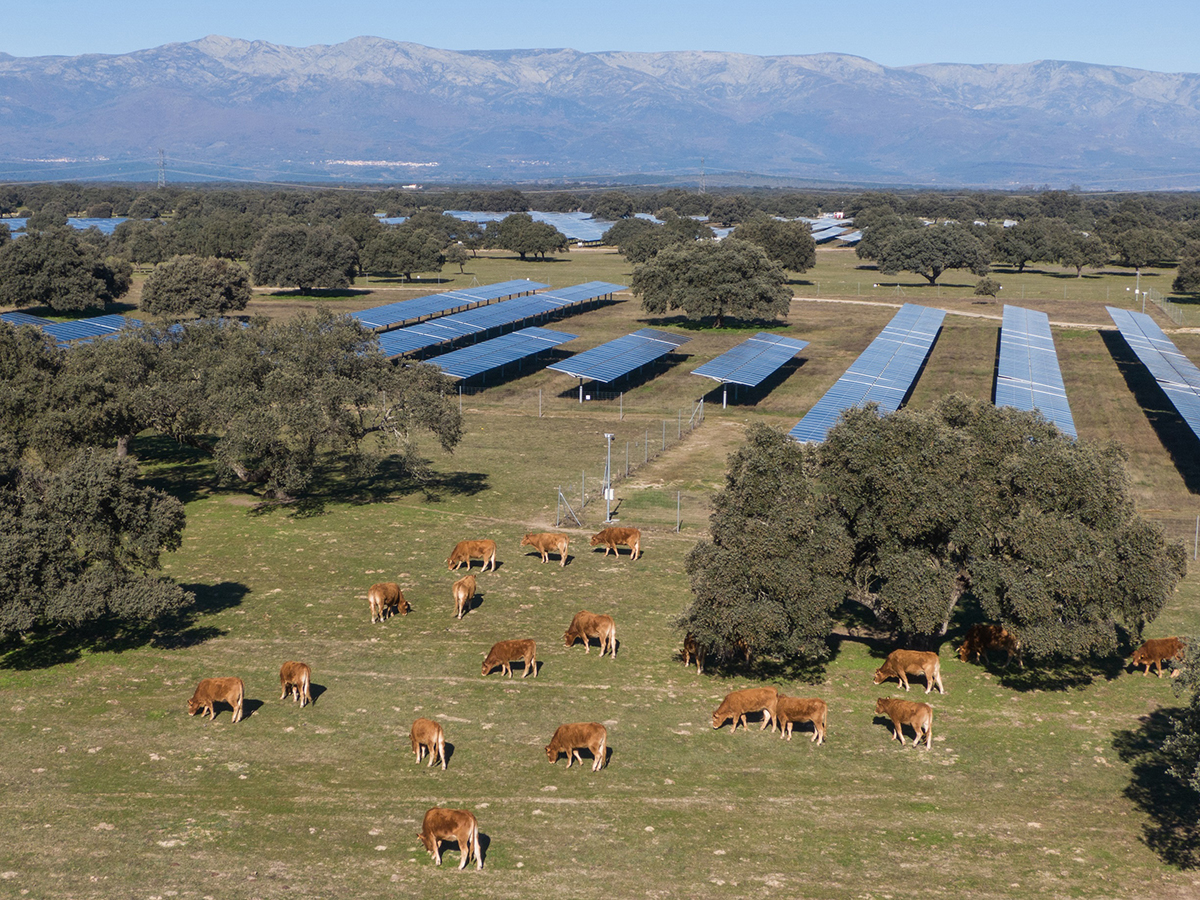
[{"x": 608, "y": 491}]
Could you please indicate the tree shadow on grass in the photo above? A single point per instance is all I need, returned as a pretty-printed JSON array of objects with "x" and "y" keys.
[
  {"x": 1060, "y": 674},
  {"x": 1173, "y": 830},
  {"x": 46, "y": 647}
]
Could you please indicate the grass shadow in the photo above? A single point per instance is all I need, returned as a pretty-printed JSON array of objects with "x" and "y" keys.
[
  {"x": 1173, "y": 830},
  {"x": 46, "y": 647},
  {"x": 1059, "y": 674}
]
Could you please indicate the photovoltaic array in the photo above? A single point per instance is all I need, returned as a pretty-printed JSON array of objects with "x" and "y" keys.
[
  {"x": 392, "y": 314},
  {"x": 500, "y": 351},
  {"x": 610, "y": 361},
  {"x": 883, "y": 373},
  {"x": 1028, "y": 376},
  {"x": 752, "y": 361},
  {"x": 482, "y": 319},
  {"x": 82, "y": 330},
  {"x": 1175, "y": 373}
]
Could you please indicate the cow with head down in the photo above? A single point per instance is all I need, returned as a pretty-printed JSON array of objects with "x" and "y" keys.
[
  {"x": 570, "y": 739},
  {"x": 386, "y": 599},
  {"x": 981, "y": 639},
  {"x": 917, "y": 716},
  {"x": 585, "y": 626},
  {"x": 427, "y": 736},
  {"x": 451, "y": 825},
  {"x": 902, "y": 663},
  {"x": 464, "y": 595},
  {"x": 296, "y": 678},
  {"x": 1157, "y": 651},
  {"x": 465, "y": 551},
  {"x": 611, "y": 537},
  {"x": 738, "y": 704},
  {"x": 505, "y": 653},
  {"x": 211, "y": 691}
]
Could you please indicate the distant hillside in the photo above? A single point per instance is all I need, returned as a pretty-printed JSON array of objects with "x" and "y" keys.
[{"x": 370, "y": 109}]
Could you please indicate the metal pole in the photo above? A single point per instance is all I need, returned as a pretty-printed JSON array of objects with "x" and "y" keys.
[
  {"x": 581, "y": 390},
  {"x": 621, "y": 408},
  {"x": 724, "y": 394},
  {"x": 558, "y": 507},
  {"x": 608, "y": 439},
  {"x": 677, "y": 520},
  {"x": 583, "y": 489}
]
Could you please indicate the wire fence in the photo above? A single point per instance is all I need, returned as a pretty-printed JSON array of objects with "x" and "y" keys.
[
  {"x": 544, "y": 403},
  {"x": 1185, "y": 529},
  {"x": 1183, "y": 316}
]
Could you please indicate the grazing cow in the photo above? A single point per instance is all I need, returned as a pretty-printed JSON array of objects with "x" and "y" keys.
[
  {"x": 427, "y": 735},
  {"x": 1157, "y": 651},
  {"x": 504, "y": 653},
  {"x": 611, "y": 537},
  {"x": 586, "y": 626},
  {"x": 464, "y": 594},
  {"x": 465, "y": 551},
  {"x": 902, "y": 663},
  {"x": 546, "y": 544},
  {"x": 918, "y": 716},
  {"x": 692, "y": 649},
  {"x": 569, "y": 739},
  {"x": 452, "y": 825},
  {"x": 789, "y": 710},
  {"x": 386, "y": 600},
  {"x": 296, "y": 678},
  {"x": 981, "y": 639},
  {"x": 218, "y": 690},
  {"x": 738, "y": 703}
]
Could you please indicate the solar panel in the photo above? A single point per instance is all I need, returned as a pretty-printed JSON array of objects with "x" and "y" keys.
[
  {"x": 610, "y": 361},
  {"x": 1028, "y": 375},
  {"x": 882, "y": 374},
  {"x": 500, "y": 351},
  {"x": 82, "y": 329},
  {"x": 20, "y": 318},
  {"x": 439, "y": 304},
  {"x": 752, "y": 361},
  {"x": 1175, "y": 373},
  {"x": 482, "y": 319}
]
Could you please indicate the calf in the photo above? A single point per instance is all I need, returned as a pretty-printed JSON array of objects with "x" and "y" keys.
[
  {"x": 452, "y": 825},
  {"x": 1157, "y": 651},
  {"x": 465, "y": 551},
  {"x": 737, "y": 704},
  {"x": 981, "y": 639},
  {"x": 427, "y": 735},
  {"x": 918, "y": 716},
  {"x": 569, "y": 739},
  {"x": 218, "y": 690},
  {"x": 902, "y": 663},
  {"x": 611, "y": 537},
  {"x": 296, "y": 678},
  {"x": 586, "y": 626},
  {"x": 386, "y": 600},
  {"x": 464, "y": 594},
  {"x": 504, "y": 653},
  {"x": 546, "y": 544},
  {"x": 789, "y": 710},
  {"x": 692, "y": 649}
]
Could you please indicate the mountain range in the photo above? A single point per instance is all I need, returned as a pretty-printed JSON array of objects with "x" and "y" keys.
[{"x": 371, "y": 109}]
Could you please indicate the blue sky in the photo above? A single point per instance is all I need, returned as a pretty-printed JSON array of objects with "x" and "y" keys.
[{"x": 1162, "y": 35}]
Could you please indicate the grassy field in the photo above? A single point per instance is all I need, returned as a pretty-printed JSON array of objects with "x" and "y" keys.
[{"x": 1039, "y": 784}]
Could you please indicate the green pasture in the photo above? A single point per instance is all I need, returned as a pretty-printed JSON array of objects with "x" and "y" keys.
[{"x": 1040, "y": 784}]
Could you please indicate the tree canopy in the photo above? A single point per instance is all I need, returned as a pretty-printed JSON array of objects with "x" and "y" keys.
[
  {"x": 83, "y": 543},
  {"x": 304, "y": 256},
  {"x": 788, "y": 243},
  {"x": 914, "y": 518},
  {"x": 59, "y": 269},
  {"x": 711, "y": 279},
  {"x": 522, "y": 235},
  {"x": 203, "y": 286},
  {"x": 930, "y": 251}
]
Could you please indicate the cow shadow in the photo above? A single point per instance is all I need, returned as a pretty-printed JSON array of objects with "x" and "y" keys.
[
  {"x": 620, "y": 550},
  {"x": 474, "y": 603},
  {"x": 48, "y": 646},
  {"x": 1172, "y": 830},
  {"x": 315, "y": 691},
  {"x": 250, "y": 707},
  {"x": 537, "y": 556},
  {"x": 449, "y": 753}
]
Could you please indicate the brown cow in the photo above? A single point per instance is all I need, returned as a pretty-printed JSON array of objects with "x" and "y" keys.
[
  {"x": 1157, "y": 651},
  {"x": 902, "y": 663},
  {"x": 611, "y": 537},
  {"x": 586, "y": 626},
  {"x": 569, "y": 739},
  {"x": 296, "y": 678},
  {"x": 738, "y": 703},
  {"x": 692, "y": 649},
  {"x": 546, "y": 544},
  {"x": 428, "y": 735},
  {"x": 918, "y": 716},
  {"x": 386, "y": 600},
  {"x": 981, "y": 639},
  {"x": 789, "y": 710},
  {"x": 452, "y": 825},
  {"x": 218, "y": 690},
  {"x": 464, "y": 594},
  {"x": 465, "y": 551},
  {"x": 504, "y": 653}
]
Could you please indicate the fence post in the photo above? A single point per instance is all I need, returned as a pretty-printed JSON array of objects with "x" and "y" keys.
[
  {"x": 627, "y": 459},
  {"x": 583, "y": 489},
  {"x": 677, "y": 519},
  {"x": 621, "y": 407}
]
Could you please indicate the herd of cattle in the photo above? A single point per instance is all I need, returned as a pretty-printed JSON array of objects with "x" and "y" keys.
[{"x": 777, "y": 710}]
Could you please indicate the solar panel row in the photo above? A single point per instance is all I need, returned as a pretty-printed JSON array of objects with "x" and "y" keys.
[
  {"x": 752, "y": 361},
  {"x": 610, "y": 361},
  {"x": 482, "y": 319},
  {"x": 1028, "y": 376},
  {"x": 76, "y": 330},
  {"x": 1175, "y": 373},
  {"x": 500, "y": 351},
  {"x": 882, "y": 374},
  {"x": 392, "y": 314}
]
